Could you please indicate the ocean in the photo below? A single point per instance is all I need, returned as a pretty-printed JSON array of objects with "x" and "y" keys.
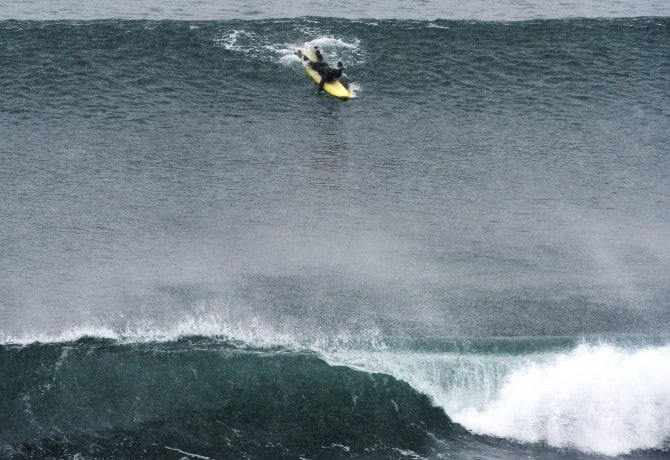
[{"x": 203, "y": 258}]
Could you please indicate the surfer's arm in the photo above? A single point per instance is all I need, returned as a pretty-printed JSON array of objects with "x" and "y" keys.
[{"x": 322, "y": 82}]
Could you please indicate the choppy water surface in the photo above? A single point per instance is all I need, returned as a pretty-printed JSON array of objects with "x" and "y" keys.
[{"x": 202, "y": 257}]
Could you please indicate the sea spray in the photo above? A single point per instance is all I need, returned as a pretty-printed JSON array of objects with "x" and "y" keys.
[{"x": 599, "y": 399}]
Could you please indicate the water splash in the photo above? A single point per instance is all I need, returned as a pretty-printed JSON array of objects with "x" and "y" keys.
[{"x": 598, "y": 399}]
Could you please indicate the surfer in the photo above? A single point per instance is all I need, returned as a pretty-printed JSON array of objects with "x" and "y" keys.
[{"x": 328, "y": 73}]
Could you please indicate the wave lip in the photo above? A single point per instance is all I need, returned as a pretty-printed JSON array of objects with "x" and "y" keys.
[
  {"x": 603, "y": 396},
  {"x": 597, "y": 399}
]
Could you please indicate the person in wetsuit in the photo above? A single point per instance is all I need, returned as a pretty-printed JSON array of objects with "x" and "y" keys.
[{"x": 328, "y": 73}]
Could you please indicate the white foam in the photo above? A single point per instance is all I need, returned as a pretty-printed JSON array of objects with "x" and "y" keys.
[
  {"x": 261, "y": 47},
  {"x": 237, "y": 40},
  {"x": 333, "y": 42},
  {"x": 254, "y": 332},
  {"x": 251, "y": 43},
  {"x": 452, "y": 380},
  {"x": 66, "y": 335},
  {"x": 598, "y": 399},
  {"x": 355, "y": 89}
]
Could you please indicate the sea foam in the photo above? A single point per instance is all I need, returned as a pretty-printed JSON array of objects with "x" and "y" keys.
[
  {"x": 595, "y": 398},
  {"x": 599, "y": 399}
]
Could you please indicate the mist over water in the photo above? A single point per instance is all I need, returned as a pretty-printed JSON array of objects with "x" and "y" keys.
[
  {"x": 511, "y": 204},
  {"x": 507, "y": 10},
  {"x": 480, "y": 236}
]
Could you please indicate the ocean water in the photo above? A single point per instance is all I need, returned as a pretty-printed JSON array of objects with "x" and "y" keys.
[{"x": 201, "y": 257}]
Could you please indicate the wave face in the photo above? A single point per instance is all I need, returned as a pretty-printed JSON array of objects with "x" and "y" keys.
[
  {"x": 148, "y": 184},
  {"x": 217, "y": 398},
  {"x": 96, "y": 398}
]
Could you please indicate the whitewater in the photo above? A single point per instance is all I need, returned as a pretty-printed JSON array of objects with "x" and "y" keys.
[{"x": 598, "y": 398}]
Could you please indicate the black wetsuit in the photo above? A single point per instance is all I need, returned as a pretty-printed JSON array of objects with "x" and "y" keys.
[{"x": 328, "y": 73}]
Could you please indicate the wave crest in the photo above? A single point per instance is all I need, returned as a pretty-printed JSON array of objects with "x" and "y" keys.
[{"x": 599, "y": 399}]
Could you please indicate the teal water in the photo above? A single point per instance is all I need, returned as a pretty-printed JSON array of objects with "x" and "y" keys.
[
  {"x": 208, "y": 397},
  {"x": 199, "y": 254}
]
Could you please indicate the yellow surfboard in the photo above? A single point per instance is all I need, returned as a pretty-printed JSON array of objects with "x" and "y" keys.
[{"x": 334, "y": 88}]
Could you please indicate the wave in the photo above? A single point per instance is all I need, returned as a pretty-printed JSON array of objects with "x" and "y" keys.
[
  {"x": 186, "y": 63},
  {"x": 602, "y": 398},
  {"x": 252, "y": 331},
  {"x": 597, "y": 396},
  {"x": 204, "y": 398},
  {"x": 267, "y": 47},
  {"x": 596, "y": 399}
]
